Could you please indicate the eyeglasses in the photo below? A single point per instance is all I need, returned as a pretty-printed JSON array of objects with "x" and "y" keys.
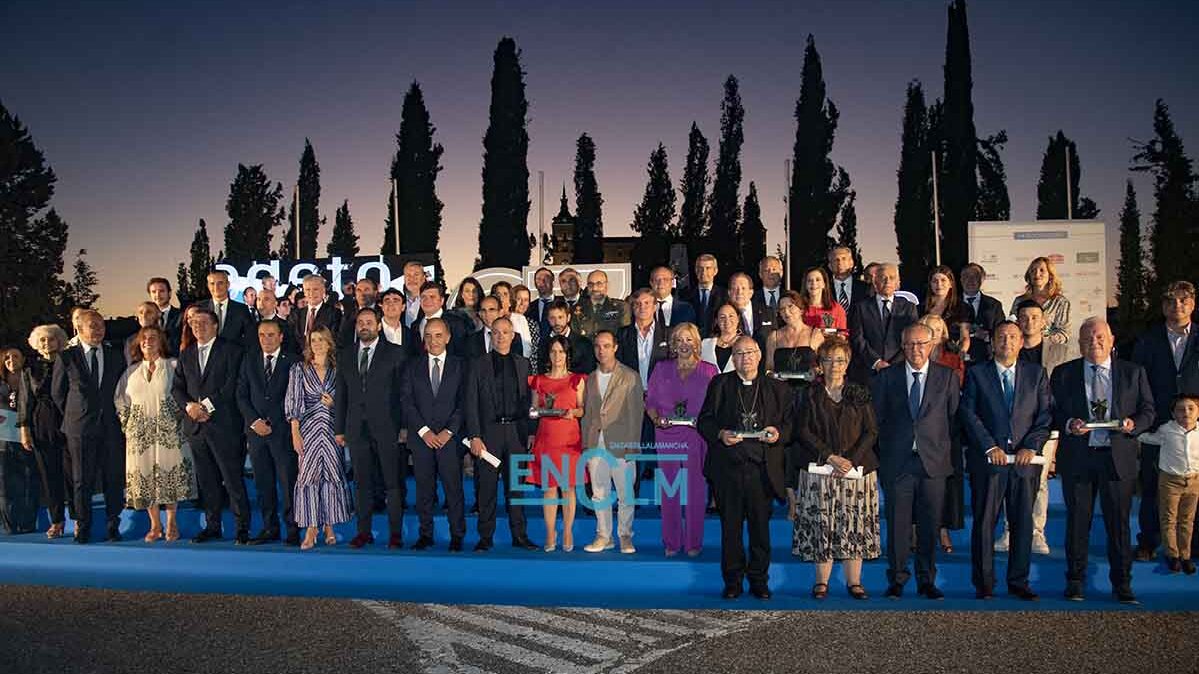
[
  {"x": 834, "y": 361},
  {"x": 924, "y": 343},
  {"x": 743, "y": 354}
]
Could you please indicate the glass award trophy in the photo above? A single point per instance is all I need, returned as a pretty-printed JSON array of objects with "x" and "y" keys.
[
  {"x": 547, "y": 409},
  {"x": 827, "y": 319},
  {"x": 680, "y": 418},
  {"x": 1097, "y": 422},
  {"x": 750, "y": 427}
]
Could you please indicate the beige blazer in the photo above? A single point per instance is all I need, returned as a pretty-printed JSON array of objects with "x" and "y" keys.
[{"x": 618, "y": 415}]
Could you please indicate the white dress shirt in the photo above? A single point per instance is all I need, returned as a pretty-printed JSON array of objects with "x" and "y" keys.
[
  {"x": 394, "y": 335},
  {"x": 666, "y": 306},
  {"x": 1178, "y": 343},
  {"x": 1098, "y": 437},
  {"x": 1179, "y": 454},
  {"x": 204, "y": 351},
  {"x": 87, "y": 359},
  {"x": 645, "y": 351},
  {"x": 747, "y": 319},
  {"x": 602, "y": 379}
]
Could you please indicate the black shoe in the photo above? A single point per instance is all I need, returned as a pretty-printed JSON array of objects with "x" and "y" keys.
[
  {"x": 1188, "y": 567},
  {"x": 293, "y": 538},
  {"x": 114, "y": 532},
  {"x": 1174, "y": 565},
  {"x": 242, "y": 538},
  {"x": 894, "y": 591},
  {"x": 760, "y": 591},
  {"x": 731, "y": 590},
  {"x": 206, "y": 535},
  {"x": 1124, "y": 595},
  {"x": 423, "y": 543},
  {"x": 1025, "y": 593},
  {"x": 474, "y": 510},
  {"x": 483, "y": 545},
  {"x": 455, "y": 545},
  {"x": 984, "y": 592},
  {"x": 1143, "y": 554},
  {"x": 265, "y": 536},
  {"x": 931, "y": 591},
  {"x": 82, "y": 538},
  {"x": 524, "y": 542},
  {"x": 1074, "y": 592}
]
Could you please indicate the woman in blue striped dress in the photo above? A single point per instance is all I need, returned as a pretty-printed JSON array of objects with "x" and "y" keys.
[{"x": 322, "y": 498}]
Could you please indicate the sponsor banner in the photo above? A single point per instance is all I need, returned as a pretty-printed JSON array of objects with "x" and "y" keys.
[{"x": 388, "y": 270}]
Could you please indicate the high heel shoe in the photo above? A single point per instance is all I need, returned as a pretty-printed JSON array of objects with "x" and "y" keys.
[
  {"x": 330, "y": 538},
  {"x": 568, "y": 543},
  {"x": 309, "y": 540},
  {"x": 55, "y": 531},
  {"x": 551, "y": 544}
]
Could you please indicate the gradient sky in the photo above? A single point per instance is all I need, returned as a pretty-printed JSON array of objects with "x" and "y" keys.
[{"x": 144, "y": 109}]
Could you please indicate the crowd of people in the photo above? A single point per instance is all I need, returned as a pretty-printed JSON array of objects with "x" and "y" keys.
[{"x": 749, "y": 395}]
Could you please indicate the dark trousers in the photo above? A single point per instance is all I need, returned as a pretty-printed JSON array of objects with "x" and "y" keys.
[
  {"x": 990, "y": 492},
  {"x": 913, "y": 496},
  {"x": 92, "y": 461},
  {"x": 1149, "y": 535},
  {"x": 274, "y": 461},
  {"x": 49, "y": 457},
  {"x": 18, "y": 489},
  {"x": 445, "y": 464},
  {"x": 220, "y": 464},
  {"x": 503, "y": 441},
  {"x": 1115, "y": 501},
  {"x": 365, "y": 454},
  {"x": 745, "y": 498}
]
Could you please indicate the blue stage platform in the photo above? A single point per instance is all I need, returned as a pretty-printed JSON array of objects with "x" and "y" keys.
[{"x": 503, "y": 575}]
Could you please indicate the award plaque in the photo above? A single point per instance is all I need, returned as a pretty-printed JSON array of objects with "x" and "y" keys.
[
  {"x": 548, "y": 410},
  {"x": 827, "y": 320},
  {"x": 1114, "y": 425},
  {"x": 792, "y": 376},
  {"x": 680, "y": 417}
]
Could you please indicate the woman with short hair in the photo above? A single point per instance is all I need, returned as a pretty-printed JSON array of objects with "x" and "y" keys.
[{"x": 40, "y": 421}]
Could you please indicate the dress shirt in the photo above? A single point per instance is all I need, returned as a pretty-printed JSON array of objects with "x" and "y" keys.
[
  {"x": 394, "y": 335},
  {"x": 1098, "y": 437},
  {"x": 602, "y": 379},
  {"x": 879, "y": 299},
  {"x": 420, "y": 327},
  {"x": 370, "y": 358},
  {"x": 412, "y": 308},
  {"x": 486, "y": 339},
  {"x": 771, "y": 296},
  {"x": 973, "y": 301},
  {"x": 274, "y": 356},
  {"x": 1179, "y": 454},
  {"x": 908, "y": 378},
  {"x": 220, "y": 307},
  {"x": 1178, "y": 343},
  {"x": 666, "y": 307},
  {"x": 747, "y": 319},
  {"x": 204, "y": 350},
  {"x": 645, "y": 350},
  {"x": 843, "y": 287},
  {"x": 440, "y": 359}
]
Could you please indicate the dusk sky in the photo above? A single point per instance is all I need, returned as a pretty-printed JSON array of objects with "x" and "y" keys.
[{"x": 145, "y": 109}]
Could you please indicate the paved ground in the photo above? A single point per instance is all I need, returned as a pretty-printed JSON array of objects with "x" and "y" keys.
[{"x": 55, "y": 631}]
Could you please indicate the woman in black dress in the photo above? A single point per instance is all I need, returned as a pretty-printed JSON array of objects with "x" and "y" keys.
[
  {"x": 40, "y": 421},
  {"x": 18, "y": 470}
]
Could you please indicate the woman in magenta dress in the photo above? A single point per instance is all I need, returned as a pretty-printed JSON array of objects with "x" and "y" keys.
[
  {"x": 558, "y": 444},
  {"x": 676, "y": 389}
]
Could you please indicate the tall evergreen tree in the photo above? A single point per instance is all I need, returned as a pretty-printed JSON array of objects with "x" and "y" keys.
[
  {"x": 344, "y": 241},
  {"x": 694, "y": 186},
  {"x": 724, "y": 209},
  {"x": 589, "y": 220},
  {"x": 199, "y": 263},
  {"x": 655, "y": 214},
  {"x": 958, "y": 179},
  {"x": 415, "y": 167},
  {"x": 183, "y": 285},
  {"x": 254, "y": 211},
  {"x": 1172, "y": 235},
  {"x": 814, "y": 200},
  {"x": 1132, "y": 304},
  {"x": 1051, "y": 187},
  {"x": 503, "y": 231},
  {"x": 914, "y": 230},
  {"x": 847, "y": 228},
  {"x": 753, "y": 232},
  {"x": 993, "y": 203},
  {"x": 310, "y": 200},
  {"x": 81, "y": 291}
]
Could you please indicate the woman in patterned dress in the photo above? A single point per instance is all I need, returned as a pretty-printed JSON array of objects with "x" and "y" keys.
[
  {"x": 321, "y": 498},
  {"x": 159, "y": 471}
]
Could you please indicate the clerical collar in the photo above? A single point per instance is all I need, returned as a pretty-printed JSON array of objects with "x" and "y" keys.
[{"x": 746, "y": 382}]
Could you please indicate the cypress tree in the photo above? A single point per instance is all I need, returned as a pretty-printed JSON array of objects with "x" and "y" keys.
[
  {"x": 847, "y": 228},
  {"x": 914, "y": 230},
  {"x": 344, "y": 241},
  {"x": 254, "y": 210},
  {"x": 310, "y": 220},
  {"x": 753, "y": 232},
  {"x": 655, "y": 215},
  {"x": 589, "y": 220},
  {"x": 694, "y": 186},
  {"x": 183, "y": 285},
  {"x": 993, "y": 201},
  {"x": 1051, "y": 187},
  {"x": 958, "y": 180},
  {"x": 81, "y": 291},
  {"x": 200, "y": 262},
  {"x": 1132, "y": 305},
  {"x": 503, "y": 231},
  {"x": 724, "y": 211},
  {"x": 415, "y": 167}
]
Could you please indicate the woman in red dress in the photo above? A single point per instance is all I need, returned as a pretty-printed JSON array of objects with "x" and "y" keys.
[
  {"x": 820, "y": 311},
  {"x": 558, "y": 443}
]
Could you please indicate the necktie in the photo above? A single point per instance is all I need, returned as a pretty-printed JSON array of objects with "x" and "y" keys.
[
  {"x": 703, "y": 298},
  {"x": 974, "y": 305},
  {"x": 749, "y": 327},
  {"x": 270, "y": 366},
  {"x": 435, "y": 379},
  {"x": 1009, "y": 390},
  {"x": 661, "y": 313},
  {"x": 487, "y": 340},
  {"x": 220, "y": 316},
  {"x": 204, "y": 358},
  {"x": 773, "y": 302},
  {"x": 914, "y": 396},
  {"x": 95, "y": 364},
  {"x": 364, "y": 360},
  {"x": 1099, "y": 386},
  {"x": 162, "y": 319},
  {"x": 886, "y": 311},
  {"x": 311, "y": 320},
  {"x": 842, "y": 298}
]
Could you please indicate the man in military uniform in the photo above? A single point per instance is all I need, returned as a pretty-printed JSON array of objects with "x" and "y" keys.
[{"x": 598, "y": 311}]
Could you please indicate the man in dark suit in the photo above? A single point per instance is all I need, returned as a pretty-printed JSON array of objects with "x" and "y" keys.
[
  {"x": 1005, "y": 411},
  {"x": 538, "y": 311},
  {"x": 368, "y": 415},
  {"x": 582, "y": 359},
  {"x": 876, "y": 327},
  {"x": 496, "y": 402},
  {"x": 320, "y": 312},
  {"x": 985, "y": 311},
  {"x": 482, "y": 341},
  {"x": 170, "y": 319},
  {"x": 770, "y": 288},
  {"x": 705, "y": 295},
  {"x": 366, "y": 292},
  {"x": 748, "y": 472},
  {"x": 205, "y": 389},
  {"x": 642, "y": 343},
  {"x": 1099, "y": 388},
  {"x": 432, "y": 396},
  {"x": 1169, "y": 352},
  {"x": 234, "y": 323},
  {"x": 847, "y": 289},
  {"x": 915, "y": 403},
  {"x": 756, "y": 319},
  {"x": 432, "y": 305},
  {"x": 671, "y": 310},
  {"x": 83, "y": 385},
  {"x": 261, "y": 390}
]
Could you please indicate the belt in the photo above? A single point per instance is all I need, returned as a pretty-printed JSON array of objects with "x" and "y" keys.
[{"x": 506, "y": 420}]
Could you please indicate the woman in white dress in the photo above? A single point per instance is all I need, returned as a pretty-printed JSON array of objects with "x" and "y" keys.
[{"x": 159, "y": 471}]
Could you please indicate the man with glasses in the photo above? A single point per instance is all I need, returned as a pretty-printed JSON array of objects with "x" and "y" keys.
[
  {"x": 599, "y": 312},
  {"x": 875, "y": 327}
]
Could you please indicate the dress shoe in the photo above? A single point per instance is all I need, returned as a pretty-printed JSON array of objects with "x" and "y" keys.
[
  {"x": 1039, "y": 545},
  {"x": 626, "y": 545},
  {"x": 242, "y": 538},
  {"x": 423, "y": 543},
  {"x": 483, "y": 545},
  {"x": 1188, "y": 567},
  {"x": 455, "y": 545},
  {"x": 360, "y": 540},
  {"x": 760, "y": 591},
  {"x": 894, "y": 591},
  {"x": 1025, "y": 593},
  {"x": 1074, "y": 592},
  {"x": 293, "y": 538},
  {"x": 206, "y": 535},
  {"x": 1124, "y": 595},
  {"x": 395, "y": 542},
  {"x": 731, "y": 591},
  {"x": 524, "y": 542},
  {"x": 984, "y": 592},
  {"x": 113, "y": 534},
  {"x": 265, "y": 536},
  {"x": 82, "y": 537},
  {"x": 599, "y": 544},
  {"x": 1143, "y": 554},
  {"x": 1174, "y": 565},
  {"x": 931, "y": 591}
]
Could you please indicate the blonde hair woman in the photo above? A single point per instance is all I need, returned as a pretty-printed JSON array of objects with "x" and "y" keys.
[
  {"x": 41, "y": 423},
  {"x": 1044, "y": 286}
]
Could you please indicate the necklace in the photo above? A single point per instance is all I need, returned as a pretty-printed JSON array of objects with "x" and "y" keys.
[{"x": 749, "y": 417}]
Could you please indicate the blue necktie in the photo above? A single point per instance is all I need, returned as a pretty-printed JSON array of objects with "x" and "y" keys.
[
  {"x": 1009, "y": 391},
  {"x": 914, "y": 396},
  {"x": 703, "y": 298}
]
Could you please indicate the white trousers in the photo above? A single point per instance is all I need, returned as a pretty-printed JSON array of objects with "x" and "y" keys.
[{"x": 605, "y": 475}]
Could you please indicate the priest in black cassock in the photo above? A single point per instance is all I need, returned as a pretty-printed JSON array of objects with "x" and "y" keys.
[{"x": 746, "y": 470}]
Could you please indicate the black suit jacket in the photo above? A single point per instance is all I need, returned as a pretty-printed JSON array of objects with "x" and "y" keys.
[
  {"x": 764, "y": 322},
  {"x": 988, "y": 423},
  {"x": 87, "y": 409},
  {"x": 681, "y": 311},
  {"x": 422, "y": 408},
  {"x": 626, "y": 346},
  {"x": 705, "y": 315},
  {"x": 932, "y": 428},
  {"x": 459, "y": 332},
  {"x": 1152, "y": 352},
  {"x": 328, "y": 316},
  {"x": 239, "y": 326},
  {"x": 536, "y": 314},
  {"x": 258, "y": 398},
  {"x": 173, "y": 329},
  {"x": 760, "y": 298},
  {"x": 1131, "y": 398},
  {"x": 479, "y": 398},
  {"x": 374, "y": 404},
  {"x": 989, "y": 314},
  {"x": 218, "y": 384},
  {"x": 871, "y": 339},
  {"x": 720, "y": 412}
]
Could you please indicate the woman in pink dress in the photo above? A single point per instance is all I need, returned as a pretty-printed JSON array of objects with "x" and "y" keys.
[{"x": 558, "y": 444}]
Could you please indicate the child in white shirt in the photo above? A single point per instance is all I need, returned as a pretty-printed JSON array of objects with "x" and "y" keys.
[{"x": 1178, "y": 480}]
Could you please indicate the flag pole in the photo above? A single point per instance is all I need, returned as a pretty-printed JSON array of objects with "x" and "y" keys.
[
  {"x": 395, "y": 210},
  {"x": 787, "y": 220},
  {"x": 297, "y": 221},
  {"x": 936, "y": 209}
]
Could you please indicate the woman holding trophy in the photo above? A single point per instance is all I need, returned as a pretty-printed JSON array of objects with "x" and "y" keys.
[{"x": 558, "y": 445}]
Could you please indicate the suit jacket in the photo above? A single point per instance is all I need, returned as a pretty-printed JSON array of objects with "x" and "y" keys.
[
  {"x": 705, "y": 315},
  {"x": 626, "y": 347},
  {"x": 1131, "y": 398},
  {"x": 87, "y": 407},
  {"x": 989, "y": 314},
  {"x": 931, "y": 429},
  {"x": 479, "y": 397},
  {"x": 238, "y": 326},
  {"x": 720, "y": 412},
  {"x": 858, "y": 289},
  {"x": 440, "y": 411},
  {"x": 374, "y": 404},
  {"x": 1152, "y": 352},
  {"x": 258, "y": 398},
  {"x": 871, "y": 339},
  {"x": 328, "y": 316},
  {"x": 476, "y": 345},
  {"x": 582, "y": 359},
  {"x": 764, "y": 322},
  {"x": 348, "y": 325},
  {"x": 536, "y": 314},
  {"x": 618, "y": 413},
  {"x": 174, "y": 329},
  {"x": 459, "y": 332},
  {"x": 760, "y": 296},
  {"x": 681, "y": 311},
  {"x": 218, "y": 384},
  {"x": 988, "y": 423}
]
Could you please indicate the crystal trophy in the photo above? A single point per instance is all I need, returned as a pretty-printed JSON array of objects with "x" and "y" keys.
[
  {"x": 827, "y": 319},
  {"x": 1098, "y": 412},
  {"x": 548, "y": 409},
  {"x": 680, "y": 418},
  {"x": 750, "y": 428}
]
